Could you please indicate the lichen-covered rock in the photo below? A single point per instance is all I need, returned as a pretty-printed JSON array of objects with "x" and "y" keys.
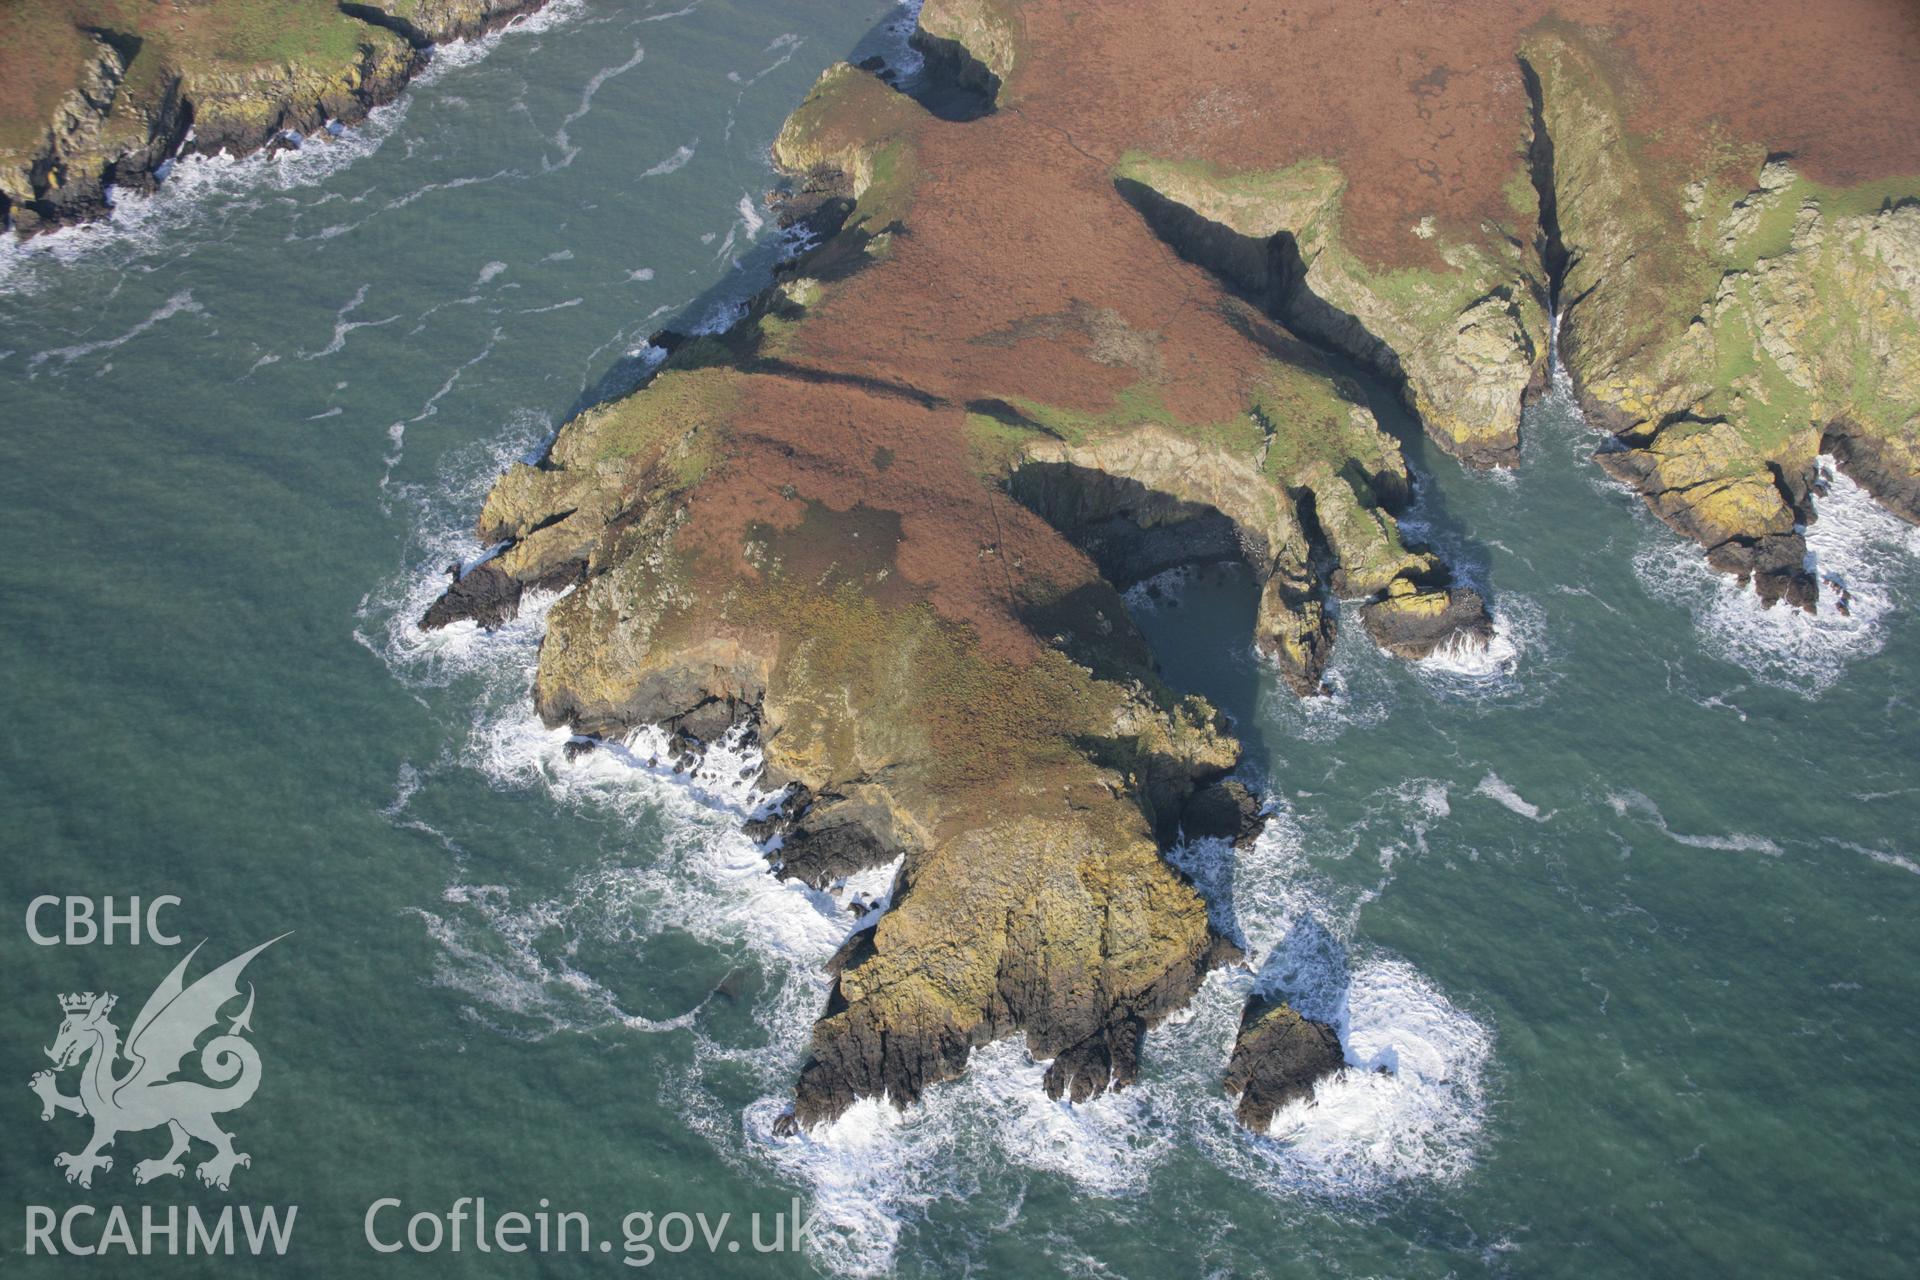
[
  {"x": 439, "y": 21},
  {"x": 1727, "y": 316},
  {"x": 1278, "y": 1057},
  {"x": 976, "y": 40},
  {"x": 1413, "y": 623},
  {"x": 1466, "y": 344},
  {"x": 104, "y": 95}
]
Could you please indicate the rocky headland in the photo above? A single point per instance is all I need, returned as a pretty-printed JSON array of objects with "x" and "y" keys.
[
  {"x": 1090, "y": 303},
  {"x": 98, "y": 94}
]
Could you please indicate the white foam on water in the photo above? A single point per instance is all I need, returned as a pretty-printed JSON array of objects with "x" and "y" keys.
[
  {"x": 750, "y": 218},
  {"x": 464, "y": 53},
  {"x": 1472, "y": 667},
  {"x": 1473, "y": 657},
  {"x": 673, "y": 163},
  {"x": 1161, "y": 591},
  {"x": 785, "y": 46},
  {"x": 562, "y": 138},
  {"x": 196, "y": 189},
  {"x": 874, "y": 1172},
  {"x": 343, "y": 327},
  {"x": 725, "y": 314},
  {"x": 898, "y": 49},
  {"x": 1855, "y": 542},
  {"x": 1496, "y": 789},
  {"x": 520, "y": 978},
  {"x": 181, "y": 303},
  {"x": 875, "y": 1169},
  {"x": 1885, "y": 857},
  {"x": 397, "y": 430},
  {"x": 387, "y": 617},
  {"x": 1632, "y": 804},
  {"x": 1359, "y": 688}
]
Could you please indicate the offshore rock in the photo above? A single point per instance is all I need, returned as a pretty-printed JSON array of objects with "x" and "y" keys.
[
  {"x": 1278, "y": 1057},
  {"x": 483, "y": 594},
  {"x": 1413, "y": 623}
]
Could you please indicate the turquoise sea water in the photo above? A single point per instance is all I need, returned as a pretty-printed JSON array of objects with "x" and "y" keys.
[{"x": 1626, "y": 906}]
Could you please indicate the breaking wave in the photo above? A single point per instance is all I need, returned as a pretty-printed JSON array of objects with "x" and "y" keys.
[
  {"x": 1496, "y": 789},
  {"x": 1477, "y": 668},
  {"x": 1632, "y": 804},
  {"x": 1855, "y": 545},
  {"x": 199, "y": 194},
  {"x": 685, "y": 865},
  {"x": 1409, "y": 1107}
]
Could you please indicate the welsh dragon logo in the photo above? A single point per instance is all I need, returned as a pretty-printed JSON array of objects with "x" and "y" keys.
[{"x": 145, "y": 1095}]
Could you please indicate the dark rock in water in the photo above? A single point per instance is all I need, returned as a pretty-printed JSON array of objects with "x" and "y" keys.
[
  {"x": 1776, "y": 566},
  {"x": 569, "y": 573},
  {"x": 712, "y": 718},
  {"x": 1749, "y": 532},
  {"x": 1223, "y": 811},
  {"x": 1888, "y": 467},
  {"x": 836, "y": 837},
  {"x": 1277, "y": 1058},
  {"x": 485, "y": 594},
  {"x": 873, "y": 62},
  {"x": 790, "y": 806},
  {"x": 1082, "y": 1071},
  {"x": 578, "y": 747},
  {"x": 1411, "y": 623}
]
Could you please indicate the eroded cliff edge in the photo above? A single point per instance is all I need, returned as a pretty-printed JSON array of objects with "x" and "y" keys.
[
  {"x": 1729, "y": 316},
  {"x": 101, "y": 93},
  {"x": 1036, "y": 351}
]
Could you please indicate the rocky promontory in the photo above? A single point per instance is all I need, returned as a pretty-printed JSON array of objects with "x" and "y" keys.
[
  {"x": 99, "y": 94},
  {"x": 1098, "y": 297},
  {"x": 1733, "y": 307}
]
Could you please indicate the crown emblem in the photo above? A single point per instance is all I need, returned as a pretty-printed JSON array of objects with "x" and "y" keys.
[{"x": 81, "y": 1001}]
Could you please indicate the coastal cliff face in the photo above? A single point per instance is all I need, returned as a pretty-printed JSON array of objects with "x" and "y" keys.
[
  {"x": 1729, "y": 318},
  {"x": 101, "y": 93},
  {"x": 1466, "y": 341},
  {"x": 1048, "y": 346}
]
